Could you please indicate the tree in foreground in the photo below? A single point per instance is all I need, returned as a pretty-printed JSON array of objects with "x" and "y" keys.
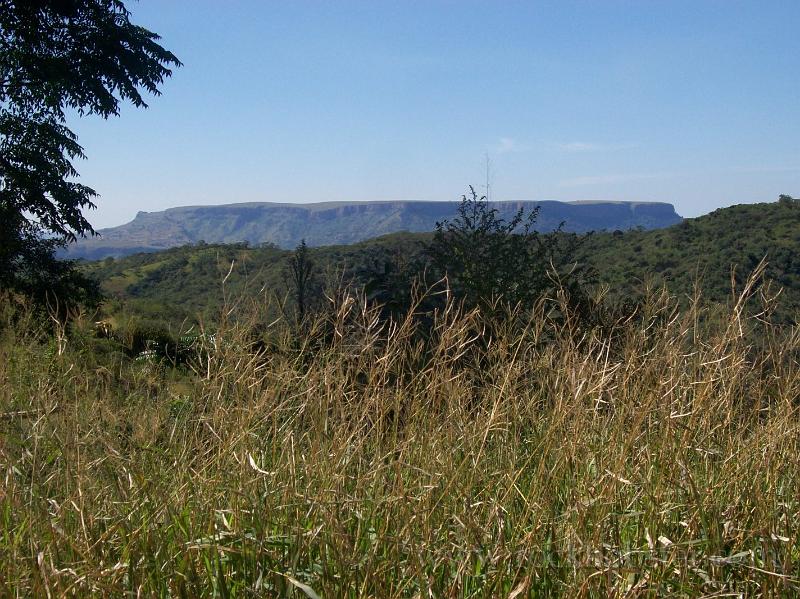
[
  {"x": 298, "y": 275},
  {"x": 82, "y": 56},
  {"x": 486, "y": 257}
]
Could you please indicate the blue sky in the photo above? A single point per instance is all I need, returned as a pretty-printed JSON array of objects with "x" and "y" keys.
[{"x": 694, "y": 103}]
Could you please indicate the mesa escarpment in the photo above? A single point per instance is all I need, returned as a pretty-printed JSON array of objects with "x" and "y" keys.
[{"x": 329, "y": 223}]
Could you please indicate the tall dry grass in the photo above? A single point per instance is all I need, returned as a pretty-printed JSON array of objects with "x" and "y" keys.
[{"x": 521, "y": 457}]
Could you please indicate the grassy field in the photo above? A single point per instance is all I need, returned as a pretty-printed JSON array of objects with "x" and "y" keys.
[{"x": 519, "y": 457}]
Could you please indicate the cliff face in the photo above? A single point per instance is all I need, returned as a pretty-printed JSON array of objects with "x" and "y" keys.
[{"x": 331, "y": 223}]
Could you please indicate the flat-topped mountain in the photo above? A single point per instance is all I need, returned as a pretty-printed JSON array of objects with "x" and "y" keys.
[
  {"x": 713, "y": 251},
  {"x": 329, "y": 223}
]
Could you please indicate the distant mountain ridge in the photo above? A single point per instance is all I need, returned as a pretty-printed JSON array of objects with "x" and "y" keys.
[{"x": 330, "y": 223}]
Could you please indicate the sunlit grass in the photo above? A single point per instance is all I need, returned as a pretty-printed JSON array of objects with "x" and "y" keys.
[{"x": 514, "y": 458}]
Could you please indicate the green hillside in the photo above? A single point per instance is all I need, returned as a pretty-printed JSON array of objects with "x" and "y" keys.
[
  {"x": 183, "y": 282},
  {"x": 707, "y": 249},
  {"x": 191, "y": 282}
]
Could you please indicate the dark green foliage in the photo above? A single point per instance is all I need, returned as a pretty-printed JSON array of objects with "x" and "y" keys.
[
  {"x": 55, "y": 56},
  {"x": 481, "y": 255},
  {"x": 28, "y": 265},
  {"x": 389, "y": 277},
  {"x": 487, "y": 258},
  {"x": 299, "y": 275},
  {"x": 717, "y": 250}
]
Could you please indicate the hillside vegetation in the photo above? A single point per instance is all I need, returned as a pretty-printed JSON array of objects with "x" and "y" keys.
[
  {"x": 707, "y": 250},
  {"x": 184, "y": 282}
]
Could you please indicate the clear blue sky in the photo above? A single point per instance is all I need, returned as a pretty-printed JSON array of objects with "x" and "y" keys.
[{"x": 694, "y": 103}]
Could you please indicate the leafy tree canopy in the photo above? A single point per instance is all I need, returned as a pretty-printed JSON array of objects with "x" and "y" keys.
[
  {"x": 55, "y": 56},
  {"x": 486, "y": 257}
]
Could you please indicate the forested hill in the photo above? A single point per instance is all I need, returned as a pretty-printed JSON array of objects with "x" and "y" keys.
[
  {"x": 330, "y": 223},
  {"x": 182, "y": 282},
  {"x": 708, "y": 249}
]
